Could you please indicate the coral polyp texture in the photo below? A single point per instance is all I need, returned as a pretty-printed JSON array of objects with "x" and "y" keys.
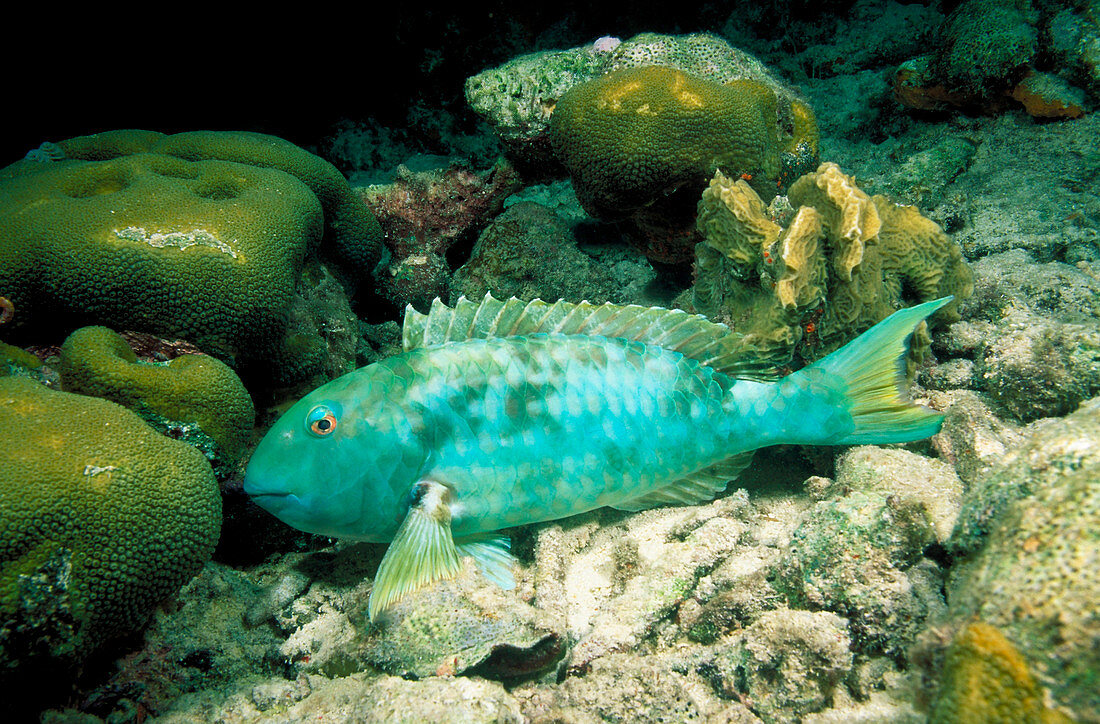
[
  {"x": 1034, "y": 521},
  {"x": 983, "y": 42},
  {"x": 518, "y": 97},
  {"x": 844, "y": 261},
  {"x": 103, "y": 519},
  {"x": 637, "y": 134},
  {"x": 193, "y": 397},
  {"x": 707, "y": 56},
  {"x": 351, "y": 236},
  {"x": 207, "y": 250},
  {"x": 199, "y": 236}
]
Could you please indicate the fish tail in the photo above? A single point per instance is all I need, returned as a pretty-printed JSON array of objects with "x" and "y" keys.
[{"x": 866, "y": 379}]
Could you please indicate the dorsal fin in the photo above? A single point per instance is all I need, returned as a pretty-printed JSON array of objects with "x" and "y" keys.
[{"x": 693, "y": 335}]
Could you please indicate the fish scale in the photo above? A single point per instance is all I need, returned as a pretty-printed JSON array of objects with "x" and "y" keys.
[
  {"x": 508, "y": 413},
  {"x": 568, "y": 433}
]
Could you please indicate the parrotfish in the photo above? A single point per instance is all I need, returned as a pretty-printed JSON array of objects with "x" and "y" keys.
[{"x": 506, "y": 413}]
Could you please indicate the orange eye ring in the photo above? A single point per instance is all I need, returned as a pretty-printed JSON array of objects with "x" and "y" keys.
[{"x": 321, "y": 421}]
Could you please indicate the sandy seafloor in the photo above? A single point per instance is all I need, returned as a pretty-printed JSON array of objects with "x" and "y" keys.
[{"x": 689, "y": 614}]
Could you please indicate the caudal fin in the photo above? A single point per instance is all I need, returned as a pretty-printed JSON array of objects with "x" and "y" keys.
[{"x": 870, "y": 371}]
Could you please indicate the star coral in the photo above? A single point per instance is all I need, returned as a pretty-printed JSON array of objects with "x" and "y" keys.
[{"x": 104, "y": 518}]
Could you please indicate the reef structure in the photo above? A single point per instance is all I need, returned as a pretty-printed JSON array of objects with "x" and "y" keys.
[
  {"x": 842, "y": 262},
  {"x": 992, "y": 55}
]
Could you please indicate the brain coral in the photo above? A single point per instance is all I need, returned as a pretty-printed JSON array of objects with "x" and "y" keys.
[
  {"x": 352, "y": 234},
  {"x": 208, "y": 251},
  {"x": 632, "y": 136},
  {"x": 843, "y": 262},
  {"x": 710, "y": 57},
  {"x": 195, "y": 397},
  {"x": 199, "y": 235},
  {"x": 101, "y": 519},
  {"x": 520, "y": 97}
]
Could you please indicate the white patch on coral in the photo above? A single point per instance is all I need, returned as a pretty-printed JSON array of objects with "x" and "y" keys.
[
  {"x": 606, "y": 44},
  {"x": 175, "y": 239}
]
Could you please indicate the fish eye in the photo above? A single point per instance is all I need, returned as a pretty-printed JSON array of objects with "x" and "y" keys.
[{"x": 321, "y": 421}]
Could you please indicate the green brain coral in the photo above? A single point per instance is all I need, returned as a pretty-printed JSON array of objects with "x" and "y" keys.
[
  {"x": 710, "y": 57},
  {"x": 198, "y": 236},
  {"x": 101, "y": 519},
  {"x": 195, "y": 396},
  {"x": 633, "y": 136},
  {"x": 641, "y": 143},
  {"x": 519, "y": 97},
  {"x": 207, "y": 251},
  {"x": 351, "y": 230}
]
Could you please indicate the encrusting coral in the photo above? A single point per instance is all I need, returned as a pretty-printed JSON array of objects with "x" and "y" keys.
[
  {"x": 986, "y": 58},
  {"x": 1034, "y": 520},
  {"x": 843, "y": 262},
  {"x": 986, "y": 680},
  {"x": 103, "y": 519},
  {"x": 423, "y": 214},
  {"x": 519, "y": 97}
]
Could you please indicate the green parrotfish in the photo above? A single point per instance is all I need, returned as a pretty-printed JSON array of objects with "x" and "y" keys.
[{"x": 500, "y": 414}]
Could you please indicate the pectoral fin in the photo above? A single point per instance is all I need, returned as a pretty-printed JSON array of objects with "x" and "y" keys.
[
  {"x": 422, "y": 551},
  {"x": 492, "y": 554}
]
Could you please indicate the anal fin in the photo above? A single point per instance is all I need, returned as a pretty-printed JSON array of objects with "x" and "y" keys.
[
  {"x": 423, "y": 550},
  {"x": 699, "y": 487}
]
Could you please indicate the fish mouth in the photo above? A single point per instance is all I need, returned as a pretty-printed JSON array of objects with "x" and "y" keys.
[
  {"x": 273, "y": 502},
  {"x": 269, "y": 495}
]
